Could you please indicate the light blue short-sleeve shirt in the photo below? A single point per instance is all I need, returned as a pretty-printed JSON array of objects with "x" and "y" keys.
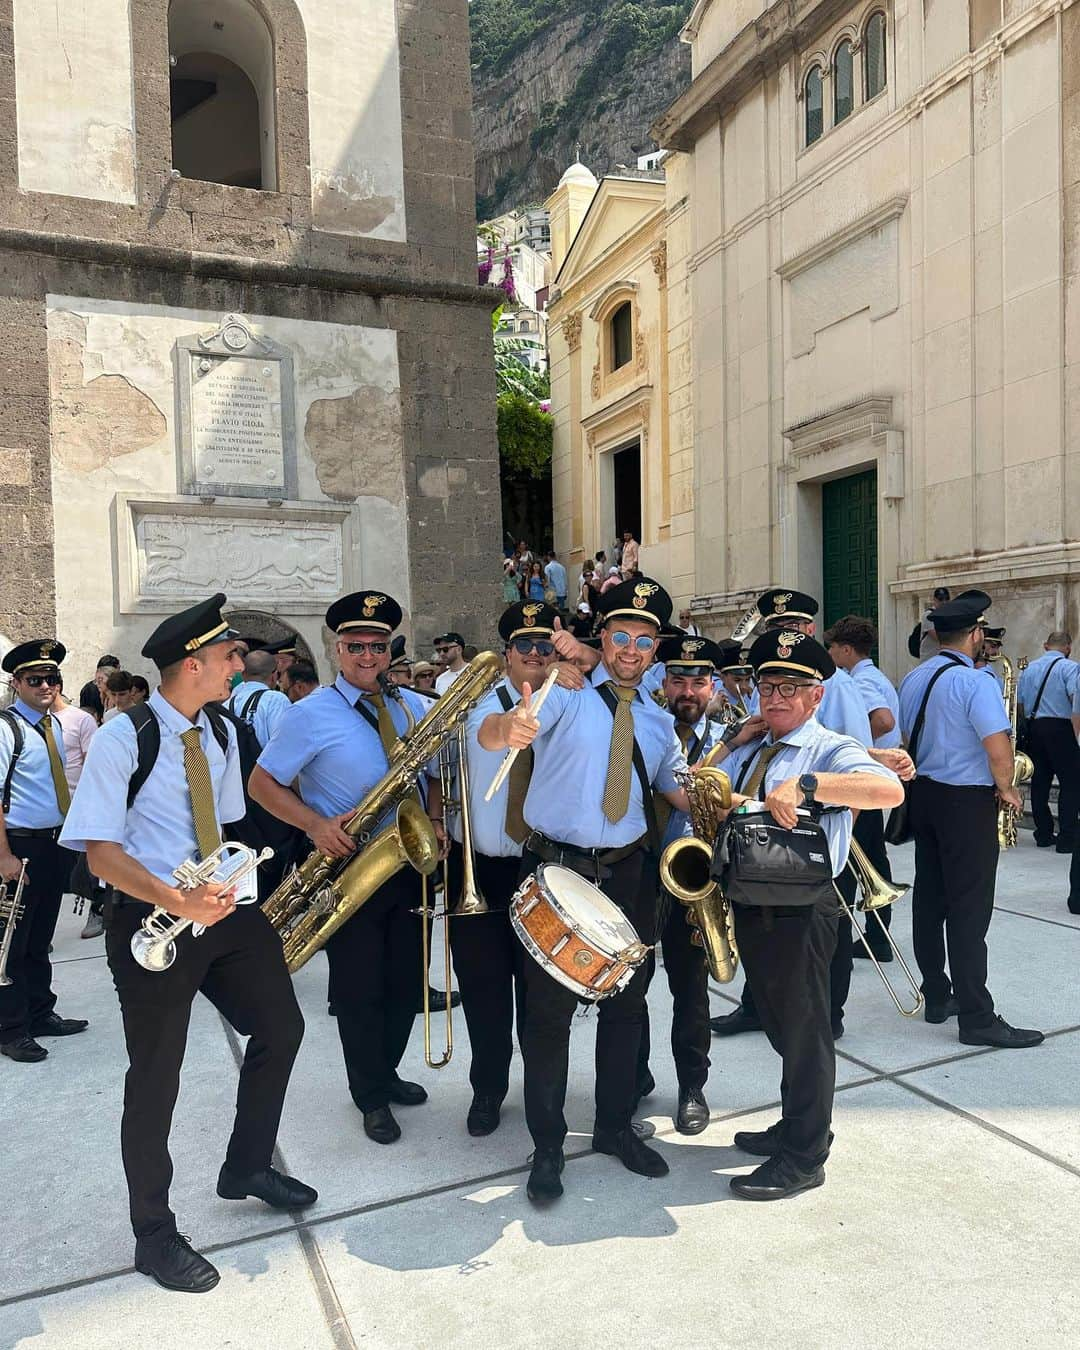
[
  {"x": 810, "y": 748},
  {"x": 270, "y": 709},
  {"x": 33, "y": 792},
  {"x": 706, "y": 736},
  {"x": 877, "y": 691},
  {"x": 1062, "y": 677},
  {"x": 159, "y": 829},
  {"x": 964, "y": 708}
]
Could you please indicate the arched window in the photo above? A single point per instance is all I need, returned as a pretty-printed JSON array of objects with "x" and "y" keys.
[
  {"x": 622, "y": 336},
  {"x": 222, "y": 93},
  {"x": 843, "y": 83},
  {"x": 874, "y": 56},
  {"x": 812, "y": 98}
]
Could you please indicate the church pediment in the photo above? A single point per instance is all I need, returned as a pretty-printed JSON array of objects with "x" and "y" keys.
[{"x": 620, "y": 207}]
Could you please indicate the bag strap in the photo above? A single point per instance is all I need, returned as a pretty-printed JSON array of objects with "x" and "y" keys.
[
  {"x": 147, "y": 742},
  {"x": 507, "y": 702},
  {"x": 218, "y": 718},
  {"x": 916, "y": 730},
  {"x": 611, "y": 702},
  {"x": 247, "y": 712},
  {"x": 1042, "y": 688},
  {"x": 14, "y": 721},
  {"x": 360, "y": 707}
]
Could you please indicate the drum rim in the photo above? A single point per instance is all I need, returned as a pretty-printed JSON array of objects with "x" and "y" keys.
[{"x": 605, "y": 948}]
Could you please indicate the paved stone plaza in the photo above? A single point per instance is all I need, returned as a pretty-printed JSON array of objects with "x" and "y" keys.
[{"x": 949, "y": 1218}]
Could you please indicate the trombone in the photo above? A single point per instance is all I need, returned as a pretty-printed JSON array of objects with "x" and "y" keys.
[{"x": 874, "y": 894}]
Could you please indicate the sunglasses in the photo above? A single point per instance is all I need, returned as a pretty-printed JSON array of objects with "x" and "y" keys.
[
  {"x": 622, "y": 640},
  {"x": 359, "y": 648},
  {"x": 767, "y": 689},
  {"x": 523, "y": 646},
  {"x": 36, "y": 681}
]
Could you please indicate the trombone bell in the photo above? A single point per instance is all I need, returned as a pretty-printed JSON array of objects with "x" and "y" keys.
[{"x": 874, "y": 894}]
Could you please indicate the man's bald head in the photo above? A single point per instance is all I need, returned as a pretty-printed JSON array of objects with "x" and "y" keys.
[{"x": 259, "y": 665}]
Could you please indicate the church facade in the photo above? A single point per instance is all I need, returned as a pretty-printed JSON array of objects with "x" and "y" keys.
[{"x": 244, "y": 345}]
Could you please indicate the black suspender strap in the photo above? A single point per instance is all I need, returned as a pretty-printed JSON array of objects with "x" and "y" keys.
[
  {"x": 916, "y": 730},
  {"x": 1042, "y": 688},
  {"x": 611, "y": 702},
  {"x": 507, "y": 702},
  {"x": 361, "y": 707},
  {"x": 247, "y": 712},
  {"x": 699, "y": 746}
]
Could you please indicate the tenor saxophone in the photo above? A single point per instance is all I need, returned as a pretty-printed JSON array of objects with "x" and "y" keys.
[
  {"x": 685, "y": 871},
  {"x": 323, "y": 893}
]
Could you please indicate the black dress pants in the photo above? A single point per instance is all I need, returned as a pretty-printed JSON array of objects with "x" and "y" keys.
[
  {"x": 840, "y": 966},
  {"x": 549, "y": 1008},
  {"x": 786, "y": 951},
  {"x": 488, "y": 962},
  {"x": 238, "y": 965},
  {"x": 376, "y": 985},
  {"x": 29, "y": 997},
  {"x": 688, "y": 979},
  {"x": 956, "y": 858},
  {"x": 1055, "y": 754}
]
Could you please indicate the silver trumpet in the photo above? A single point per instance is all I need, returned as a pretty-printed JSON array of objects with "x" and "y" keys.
[
  {"x": 11, "y": 911},
  {"x": 154, "y": 944}
]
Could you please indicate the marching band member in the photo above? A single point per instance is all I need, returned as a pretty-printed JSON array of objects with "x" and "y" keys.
[
  {"x": 487, "y": 955},
  {"x": 336, "y": 743},
  {"x": 689, "y": 664},
  {"x": 588, "y": 808},
  {"x": 1046, "y": 691},
  {"x": 787, "y": 949},
  {"x": 192, "y": 789},
  {"x": 960, "y": 737},
  {"x": 35, "y": 799}
]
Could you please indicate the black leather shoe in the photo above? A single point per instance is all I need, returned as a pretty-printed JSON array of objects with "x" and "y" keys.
[
  {"x": 858, "y": 949},
  {"x": 837, "y": 1025},
  {"x": 53, "y": 1025},
  {"x": 272, "y": 1187},
  {"x": 483, "y": 1115},
  {"x": 1065, "y": 846},
  {"x": 941, "y": 1012},
  {"x": 544, "y": 1184},
  {"x": 732, "y": 1023},
  {"x": 437, "y": 1001},
  {"x": 1000, "y": 1034},
  {"x": 175, "y": 1264},
  {"x": 1074, "y": 906},
  {"x": 381, "y": 1126},
  {"x": 1046, "y": 843},
  {"x": 761, "y": 1143},
  {"x": 406, "y": 1094},
  {"x": 693, "y": 1113},
  {"x": 24, "y": 1051},
  {"x": 632, "y": 1153},
  {"x": 776, "y": 1180}
]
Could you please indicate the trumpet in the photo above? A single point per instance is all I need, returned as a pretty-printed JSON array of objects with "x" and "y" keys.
[
  {"x": 874, "y": 894},
  {"x": 153, "y": 945},
  {"x": 11, "y": 911}
]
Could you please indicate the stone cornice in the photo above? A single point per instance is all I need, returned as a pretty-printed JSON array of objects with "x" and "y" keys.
[{"x": 837, "y": 239}]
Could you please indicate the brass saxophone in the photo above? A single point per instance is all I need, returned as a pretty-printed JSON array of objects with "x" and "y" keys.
[
  {"x": 1023, "y": 768},
  {"x": 684, "y": 871},
  {"x": 313, "y": 902}
]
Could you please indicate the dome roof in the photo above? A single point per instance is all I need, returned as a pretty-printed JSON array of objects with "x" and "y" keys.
[{"x": 578, "y": 174}]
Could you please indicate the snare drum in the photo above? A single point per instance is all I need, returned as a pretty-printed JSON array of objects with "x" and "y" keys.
[{"x": 579, "y": 936}]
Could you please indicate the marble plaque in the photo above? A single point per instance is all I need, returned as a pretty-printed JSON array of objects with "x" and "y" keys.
[{"x": 235, "y": 414}]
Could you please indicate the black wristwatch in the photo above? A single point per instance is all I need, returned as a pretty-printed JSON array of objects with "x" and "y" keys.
[{"x": 808, "y": 787}]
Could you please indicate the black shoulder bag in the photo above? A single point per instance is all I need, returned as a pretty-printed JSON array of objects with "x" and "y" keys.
[
  {"x": 1023, "y": 724},
  {"x": 898, "y": 826}
]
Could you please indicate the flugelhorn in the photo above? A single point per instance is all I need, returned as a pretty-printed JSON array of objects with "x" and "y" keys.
[
  {"x": 153, "y": 944},
  {"x": 11, "y": 911}
]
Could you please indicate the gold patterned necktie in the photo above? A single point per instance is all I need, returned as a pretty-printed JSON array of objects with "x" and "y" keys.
[
  {"x": 765, "y": 757},
  {"x": 621, "y": 756},
  {"x": 201, "y": 788},
  {"x": 517, "y": 790},
  {"x": 56, "y": 765},
  {"x": 685, "y": 734},
  {"x": 387, "y": 731}
]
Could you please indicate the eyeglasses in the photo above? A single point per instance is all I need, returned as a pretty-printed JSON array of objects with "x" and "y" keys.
[
  {"x": 360, "y": 648},
  {"x": 523, "y": 646},
  {"x": 36, "y": 681},
  {"x": 787, "y": 689},
  {"x": 620, "y": 638}
]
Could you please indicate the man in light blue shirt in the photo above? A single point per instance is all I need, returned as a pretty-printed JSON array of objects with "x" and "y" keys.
[
  {"x": 555, "y": 573},
  {"x": 184, "y": 771},
  {"x": 589, "y": 808},
  {"x": 34, "y": 796},
  {"x": 256, "y": 700},
  {"x": 334, "y": 745},
  {"x": 957, "y": 730},
  {"x": 1047, "y": 691}
]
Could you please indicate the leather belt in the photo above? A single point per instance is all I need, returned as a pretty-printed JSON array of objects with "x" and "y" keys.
[
  {"x": 585, "y": 861},
  {"x": 53, "y": 832}
]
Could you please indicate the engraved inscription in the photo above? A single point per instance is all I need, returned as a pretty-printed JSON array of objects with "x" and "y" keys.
[{"x": 236, "y": 429}]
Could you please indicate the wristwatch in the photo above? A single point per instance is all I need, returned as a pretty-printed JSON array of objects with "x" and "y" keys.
[{"x": 808, "y": 786}]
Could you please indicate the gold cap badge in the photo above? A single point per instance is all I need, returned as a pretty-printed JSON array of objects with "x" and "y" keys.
[{"x": 371, "y": 604}]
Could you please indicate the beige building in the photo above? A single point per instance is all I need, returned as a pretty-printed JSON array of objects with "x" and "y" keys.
[
  {"x": 871, "y": 225},
  {"x": 244, "y": 348}
]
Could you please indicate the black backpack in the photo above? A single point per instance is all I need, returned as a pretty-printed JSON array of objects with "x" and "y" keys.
[{"x": 15, "y": 722}]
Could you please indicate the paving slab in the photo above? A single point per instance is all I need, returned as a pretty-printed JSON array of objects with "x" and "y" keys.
[
  {"x": 632, "y": 1262},
  {"x": 266, "y": 1301}
]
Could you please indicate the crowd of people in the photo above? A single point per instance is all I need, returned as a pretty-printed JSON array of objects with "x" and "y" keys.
[{"x": 817, "y": 746}]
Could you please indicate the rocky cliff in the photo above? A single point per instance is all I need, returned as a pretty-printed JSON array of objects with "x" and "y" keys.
[{"x": 579, "y": 79}]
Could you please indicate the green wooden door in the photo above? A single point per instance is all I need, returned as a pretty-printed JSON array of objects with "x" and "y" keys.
[{"x": 849, "y": 546}]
